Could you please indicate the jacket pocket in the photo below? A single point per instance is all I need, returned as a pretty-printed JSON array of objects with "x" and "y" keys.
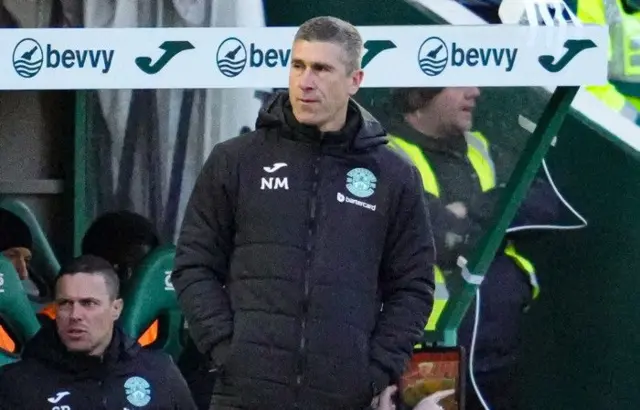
[
  {"x": 219, "y": 356},
  {"x": 365, "y": 379}
]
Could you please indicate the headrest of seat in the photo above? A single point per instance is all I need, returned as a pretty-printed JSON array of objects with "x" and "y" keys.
[{"x": 149, "y": 292}]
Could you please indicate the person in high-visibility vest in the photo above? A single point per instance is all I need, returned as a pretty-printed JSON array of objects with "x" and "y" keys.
[
  {"x": 15, "y": 245},
  {"x": 622, "y": 94},
  {"x": 462, "y": 184},
  {"x": 122, "y": 238}
]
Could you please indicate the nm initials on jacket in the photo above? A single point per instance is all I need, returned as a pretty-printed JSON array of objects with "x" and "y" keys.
[{"x": 274, "y": 182}]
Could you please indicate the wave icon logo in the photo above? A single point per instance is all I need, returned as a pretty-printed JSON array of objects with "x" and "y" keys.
[
  {"x": 27, "y": 58},
  {"x": 433, "y": 56},
  {"x": 231, "y": 57}
]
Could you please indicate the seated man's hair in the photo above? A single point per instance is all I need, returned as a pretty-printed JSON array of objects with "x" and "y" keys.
[
  {"x": 408, "y": 100},
  {"x": 92, "y": 265},
  {"x": 14, "y": 233}
]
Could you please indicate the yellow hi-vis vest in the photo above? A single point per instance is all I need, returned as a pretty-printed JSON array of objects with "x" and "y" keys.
[
  {"x": 624, "y": 52},
  {"x": 624, "y": 42},
  {"x": 480, "y": 159}
]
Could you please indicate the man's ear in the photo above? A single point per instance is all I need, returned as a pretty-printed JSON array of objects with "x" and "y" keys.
[
  {"x": 116, "y": 309},
  {"x": 356, "y": 81},
  {"x": 413, "y": 117}
]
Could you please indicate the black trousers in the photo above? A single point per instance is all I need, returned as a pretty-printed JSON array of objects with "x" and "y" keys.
[
  {"x": 195, "y": 369},
  {"x": 499, "y": 388}
]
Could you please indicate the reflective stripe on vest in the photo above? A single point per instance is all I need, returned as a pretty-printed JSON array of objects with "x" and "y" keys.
[
  {"x": 624, "y": 34},
  {"x": 480, "y": 158},
  {"x": 440, "y": 298},
  {"x": 593, "y": 12},
  {"x": 630, "y": 112},
  {"x": 525, "y": 265},
  {"x": 429, "y": 183},
  {"x": 615, "y": 100},
  {"x": 478, "y": 154}
]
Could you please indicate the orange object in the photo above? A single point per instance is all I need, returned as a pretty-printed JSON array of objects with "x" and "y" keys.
[
  {"x": 6, "y": 342},
  {"x": 49, "y": 310},
  {"x": 149, "y": 336}
]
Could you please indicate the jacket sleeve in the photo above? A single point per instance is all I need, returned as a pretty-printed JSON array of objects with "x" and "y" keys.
[
  {"x": 202, "y": 257},
  {"x": 452, "y": 236},
  {"x": 541, "y": 206},
  {"x": 180, "y": 393},
  {"x": 406, "y": 285}
]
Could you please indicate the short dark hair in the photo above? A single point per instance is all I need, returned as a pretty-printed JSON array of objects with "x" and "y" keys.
[
  {"x": 122, "y": 238},
  {"x": 408, "y": 100},
  {"x": 334, "y": 30},
  {"x": 93, "y": 265}
]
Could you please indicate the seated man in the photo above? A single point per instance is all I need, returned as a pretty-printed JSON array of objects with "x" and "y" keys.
[
  {"x": 15, "y": 242},
  {"x": 82, "y": 360},
  {"x": 15, "y": 245},
  {"x": 123, "y": 239}
]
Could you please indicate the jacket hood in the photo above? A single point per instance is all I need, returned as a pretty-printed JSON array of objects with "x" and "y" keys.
[
  {"x": 47, "y": 348},
  {"x": 361, "y": 131}
]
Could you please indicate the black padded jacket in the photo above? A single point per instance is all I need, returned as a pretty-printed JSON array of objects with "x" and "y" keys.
[
  {"x": 304, "y": 263},
  {"x": 125, "y": 377}
]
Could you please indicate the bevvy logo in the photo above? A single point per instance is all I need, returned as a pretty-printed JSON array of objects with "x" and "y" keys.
[
  {"x": 234, "y": 55},
  {"x": 435, "y": 55},
  {"x": 30, "y": 57}
]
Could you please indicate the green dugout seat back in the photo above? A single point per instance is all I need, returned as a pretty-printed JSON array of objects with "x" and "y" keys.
[
  {"x": 150, "y": 296},
  {"x": 16, "y": 315}
]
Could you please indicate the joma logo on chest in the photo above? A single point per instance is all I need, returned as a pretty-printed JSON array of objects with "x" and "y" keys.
[{"x": 274, "y": 183}]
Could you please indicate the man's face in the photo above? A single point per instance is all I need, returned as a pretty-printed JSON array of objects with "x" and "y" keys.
[
  {"x": 452, "y": 109},
  {"x": 20, "y": 258},
  {"x": 320, "y": 84},
  {"x": 85, "y": 313}
]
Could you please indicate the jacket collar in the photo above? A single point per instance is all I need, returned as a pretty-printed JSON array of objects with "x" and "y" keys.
[
  {"x": 361, "y": 131},
  {"x": 455, "y": 146},
  {"x": 47, "y": 348}
]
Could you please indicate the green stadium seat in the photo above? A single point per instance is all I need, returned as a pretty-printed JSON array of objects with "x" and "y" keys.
[
  {"x": 150, "y": 296},
  {"x": 17, "y": 317}
]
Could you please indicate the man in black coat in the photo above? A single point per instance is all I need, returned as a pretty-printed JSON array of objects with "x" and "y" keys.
[
  {"x": 83, "y": 361},
  {"x": 305, "y": 261}
]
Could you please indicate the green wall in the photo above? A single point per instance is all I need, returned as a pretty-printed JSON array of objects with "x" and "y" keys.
[
  {"x": 583, "y": 333},
  {"x": 583, "y": 336}
]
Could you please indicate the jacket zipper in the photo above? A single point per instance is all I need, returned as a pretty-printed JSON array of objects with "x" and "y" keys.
[
  {"x": 102, "y": 394},
  {"x": 310, "y": 246}
]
